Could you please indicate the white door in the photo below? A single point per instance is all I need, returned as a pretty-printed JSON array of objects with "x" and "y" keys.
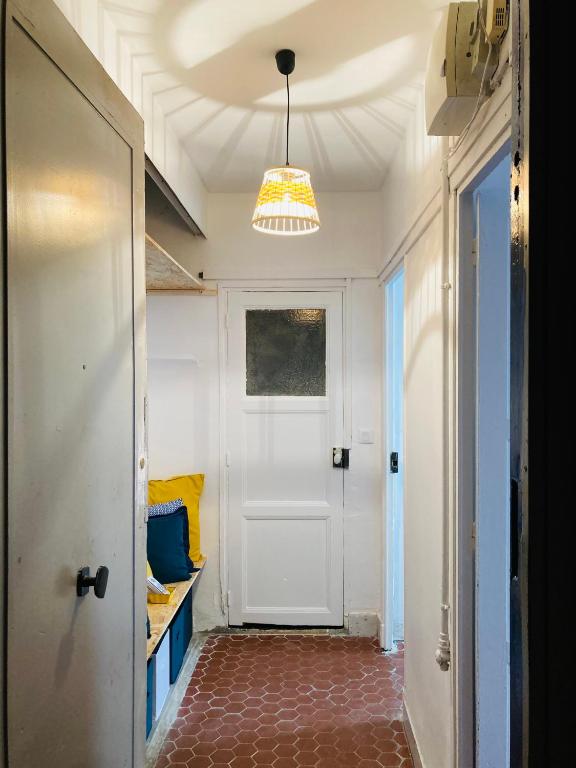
[
  {"x": 284, "y": 417},
  {"x": 393, "y": 591},
  {"x": 492, "y": 602},
  {"x": 74, "y": 270}
]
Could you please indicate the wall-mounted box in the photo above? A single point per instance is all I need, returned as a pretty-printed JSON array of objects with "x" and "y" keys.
[{"x": 452, "y": 88}]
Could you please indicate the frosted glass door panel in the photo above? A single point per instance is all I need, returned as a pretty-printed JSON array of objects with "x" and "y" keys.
[{"x": 286, "y": 352}]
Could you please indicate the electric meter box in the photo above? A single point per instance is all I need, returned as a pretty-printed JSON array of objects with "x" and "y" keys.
[{"x": 452, "y": 88}]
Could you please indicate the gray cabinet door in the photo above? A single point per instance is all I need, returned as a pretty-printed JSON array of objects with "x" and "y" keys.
[{"x": 74, "y": 167}]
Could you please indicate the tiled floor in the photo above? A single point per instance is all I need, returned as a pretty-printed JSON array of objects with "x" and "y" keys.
[{"x": 288, "y": 701}]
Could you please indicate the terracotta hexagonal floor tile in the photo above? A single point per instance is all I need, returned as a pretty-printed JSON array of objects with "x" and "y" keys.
[
  {"x": 222, "y": 756},
  {"x": 307, "y": 758},
  {"x": 404, "y": 752},
  {"x": 305, "y": 745},
  {"x": 202, "y": 748},
  {"x": 180, "y": 756},
  {"x": 245, "y": 750},
  {"x": 368, "y": 764},
  {"x": 242, "y": 762},
  {"x": 386, "y": 746},
  {"x": 198, "y": 762},
  {"x": 285, "y": 762},
  {"x": 264, "y": 758},
  {"x": 285, "y": 750},
  {"x": 390, "y": 760},
  {"x": 267, "y": 730}
]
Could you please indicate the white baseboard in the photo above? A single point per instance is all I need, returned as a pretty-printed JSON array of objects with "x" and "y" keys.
[
  {"x": 386, "y": 643},
  {"x": 411, "y": 739},
  {"x": 363, "y": 623},
  {"x": 382, "y": 634}
]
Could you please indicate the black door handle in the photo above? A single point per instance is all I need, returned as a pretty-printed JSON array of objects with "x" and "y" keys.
[
  {"x": 394, "y": 462},
  {"x": 515, "y": 528},
  {"x": 341, "y": 458},
  {"x": 84, "y": 581}
]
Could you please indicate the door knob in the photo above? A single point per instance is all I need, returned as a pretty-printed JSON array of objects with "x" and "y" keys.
[{"x": 84, "y": 581}]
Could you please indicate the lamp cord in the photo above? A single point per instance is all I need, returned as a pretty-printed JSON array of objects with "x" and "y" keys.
[{"x": 287, "y": 118}]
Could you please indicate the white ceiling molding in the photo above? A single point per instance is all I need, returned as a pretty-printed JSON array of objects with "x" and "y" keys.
[{"x": 97, "y": 24}]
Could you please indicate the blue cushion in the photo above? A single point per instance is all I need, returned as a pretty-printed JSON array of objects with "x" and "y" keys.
[
  {"x": 183, "y": 512},
  {"x": 168, "y": 546}
]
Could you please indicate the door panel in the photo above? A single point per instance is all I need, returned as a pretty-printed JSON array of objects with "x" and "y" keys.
[
  {"x": 284, "y": 416},
  {"x": 71, "y": 418},
  {"x": 272, "y": 472},
  {"x": 492, "y": 599},
  {"x": 270, "y": 546}
]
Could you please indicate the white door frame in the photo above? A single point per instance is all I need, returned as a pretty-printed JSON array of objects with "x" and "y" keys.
[
  {"x": 225, "y": 288},
  {"x": 493, "y": 469},
  {"x": 463, "y": 629},
  {"x": 388, "y": 564}
]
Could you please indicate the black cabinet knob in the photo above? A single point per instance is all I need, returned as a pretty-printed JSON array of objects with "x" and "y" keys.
[{"x": 84, "y": 581}]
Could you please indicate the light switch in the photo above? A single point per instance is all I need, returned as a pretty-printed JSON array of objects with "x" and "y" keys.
[{"x": 365, "y": 436}]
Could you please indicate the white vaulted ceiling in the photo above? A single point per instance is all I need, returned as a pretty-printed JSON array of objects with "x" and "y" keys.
[{"x": 208, "y": 66}]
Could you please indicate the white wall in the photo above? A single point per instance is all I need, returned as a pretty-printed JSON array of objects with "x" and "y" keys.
[
  {"x": 362, "y": 482},
  {"x": 427, "y": 688},
  {"x": 412, "y": 224},
  {"x": 347, "y": 245},
  {"x": 183, "y": 413},
  {"x": 183, "y": 420},
  {"x": 412, "y": 183}
]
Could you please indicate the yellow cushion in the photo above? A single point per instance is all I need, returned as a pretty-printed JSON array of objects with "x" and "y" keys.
[
  {"x": 188, "y": 488},
  {"x": 148, "y": 569}
]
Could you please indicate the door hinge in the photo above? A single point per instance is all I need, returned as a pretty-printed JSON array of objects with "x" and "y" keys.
[
  {"x": 515, "y": 527},
  {"x": 227, "y": 458},
  {"x": 228, "y": 598},
  {"x": 473, "y": 537},
  {"x": 474, "y": 251}
]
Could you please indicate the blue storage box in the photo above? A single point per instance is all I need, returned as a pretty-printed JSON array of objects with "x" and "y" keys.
[
  {"x": 150, "y": 695},
  {"x": 162, "y": 673},
  {"x": 187, "y": 621},
  {"x": 180, "y": 636}
]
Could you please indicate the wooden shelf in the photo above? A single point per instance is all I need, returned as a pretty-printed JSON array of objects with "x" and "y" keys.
[
  {"x": 164, "y": 273},
  {"x": 161, "y": 614}
]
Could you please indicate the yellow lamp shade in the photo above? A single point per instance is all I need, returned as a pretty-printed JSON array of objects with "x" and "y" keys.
[{"x": 286, "y": 204}]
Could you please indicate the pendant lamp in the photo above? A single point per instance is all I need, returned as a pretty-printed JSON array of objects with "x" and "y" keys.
[{"x": 286, "y": 204}]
